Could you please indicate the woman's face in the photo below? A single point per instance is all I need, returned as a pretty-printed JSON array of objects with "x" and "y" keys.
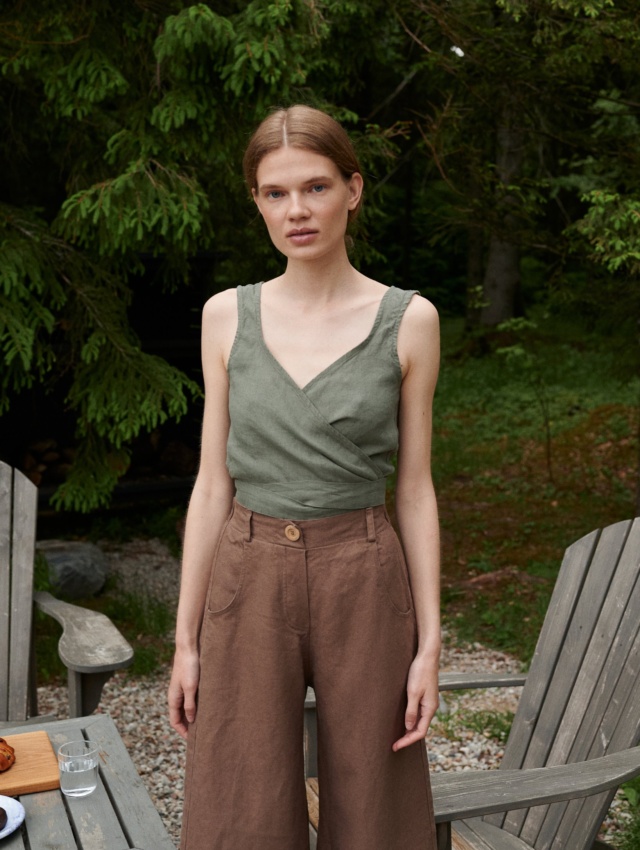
[{"x": 304, "y": 201}]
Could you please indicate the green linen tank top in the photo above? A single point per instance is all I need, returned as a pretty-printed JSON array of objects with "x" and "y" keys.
[{"x": 323, "y": 449}]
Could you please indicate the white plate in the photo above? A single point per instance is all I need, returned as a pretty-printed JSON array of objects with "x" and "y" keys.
[{"x": 15, "y": 815}]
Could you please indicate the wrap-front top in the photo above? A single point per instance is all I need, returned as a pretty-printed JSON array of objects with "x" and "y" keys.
[{"x": 323, "y": 449}]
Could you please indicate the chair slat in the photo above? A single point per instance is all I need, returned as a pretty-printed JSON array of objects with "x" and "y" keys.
[
  {"x": 595, "y": 714},
  {"x": 559, "y": 614},
  {"x": 572, "y": 574},
  {"x": 572, "y": 651},
  {"x": 6, "y": 491},
  {"x": 22, "y": 556},
  {"x": 583, "y": 817}
]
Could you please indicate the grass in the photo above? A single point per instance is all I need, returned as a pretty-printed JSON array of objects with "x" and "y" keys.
[
  {"x": 491, "y": 724},
  {"x": 505, "y": 520}
]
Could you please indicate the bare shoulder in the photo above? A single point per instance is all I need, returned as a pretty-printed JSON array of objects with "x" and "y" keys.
[
  {"x": 221, "y": 307},
  {"x": 419, "y": 335},
  {"x": 220, "y": 323},
  {"x": 421, "y": 315}
]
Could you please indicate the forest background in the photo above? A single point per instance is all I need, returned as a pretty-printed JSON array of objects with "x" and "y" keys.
[{"x": 499, "y": 142}]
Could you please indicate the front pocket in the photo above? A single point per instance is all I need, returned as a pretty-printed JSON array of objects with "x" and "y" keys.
[
  {"x": 392, "y": 571},
  {"x": 227, "y": 573}
]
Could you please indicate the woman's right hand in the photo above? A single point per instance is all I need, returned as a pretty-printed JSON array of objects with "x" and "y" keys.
[{"x": 183, "y": 688}]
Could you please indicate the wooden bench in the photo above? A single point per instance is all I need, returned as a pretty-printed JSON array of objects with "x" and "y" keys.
[
  {"x": 574, "y": 736},
  {"x": 90, "y": 646}
]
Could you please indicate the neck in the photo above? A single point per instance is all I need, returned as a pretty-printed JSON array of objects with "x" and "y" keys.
[{"x": 321, "y": 279}]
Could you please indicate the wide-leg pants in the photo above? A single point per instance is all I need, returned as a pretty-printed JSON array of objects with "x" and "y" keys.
[{"x": 325, "y": 603}]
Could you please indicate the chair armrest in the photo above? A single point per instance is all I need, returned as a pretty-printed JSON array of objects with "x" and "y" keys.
[
  {"x": 458, "y": 682},
  {"x": 90, "y": 643},
  {"x": 462, "y": 681},
  {"x": 468, "y": 794}
]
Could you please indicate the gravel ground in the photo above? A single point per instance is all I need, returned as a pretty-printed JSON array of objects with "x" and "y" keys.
[{"x": 138, "y": 706}]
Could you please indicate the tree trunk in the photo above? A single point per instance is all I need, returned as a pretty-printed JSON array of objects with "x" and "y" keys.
[
  {"x": 637, "y": 506},
  {"x": 475, "y": 268},
  {"x": 502, "y": 274}
]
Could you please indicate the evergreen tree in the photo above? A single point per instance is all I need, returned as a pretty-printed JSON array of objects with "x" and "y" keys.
[
  {"x": 123, "y": 134},
  {"x": 522, "y": 126}
]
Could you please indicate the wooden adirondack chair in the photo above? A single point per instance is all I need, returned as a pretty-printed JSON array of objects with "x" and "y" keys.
[
  {"x": 574, "y": 736},
  {"x": 90, "y": 646}
]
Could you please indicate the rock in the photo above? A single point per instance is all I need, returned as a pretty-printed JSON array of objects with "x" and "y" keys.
[{"x": 76, "y": 569}]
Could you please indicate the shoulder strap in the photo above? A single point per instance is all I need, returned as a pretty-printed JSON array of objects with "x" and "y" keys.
[
  {"x": 248, "y": 301},
  {"x": 248, "y": 308},
  {"x": 392, "y": 310}
]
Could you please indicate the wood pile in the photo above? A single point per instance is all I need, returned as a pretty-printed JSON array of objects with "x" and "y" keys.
[{"x": 45, "y": 459}]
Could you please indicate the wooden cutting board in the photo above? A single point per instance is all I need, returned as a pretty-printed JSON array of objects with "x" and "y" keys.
[{"x": 35, "y": 767}]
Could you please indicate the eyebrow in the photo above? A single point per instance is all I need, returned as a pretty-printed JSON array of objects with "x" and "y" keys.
[{"x": 268, "y": 187}]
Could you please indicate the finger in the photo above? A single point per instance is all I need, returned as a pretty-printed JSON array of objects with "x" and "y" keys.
[
  {"x": 190, "y": 707},
  {"x": 416, "y": 733},
  {"x": 412, "y": 712},
  {"x": 407, "y": 740},
  {"x": 181, "y": 728}
]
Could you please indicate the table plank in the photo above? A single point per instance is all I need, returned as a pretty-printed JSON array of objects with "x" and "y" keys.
[
  {"x": 93, "y": 818},
  {"x": 46, "y": 821},
  {"x": 128, "y": 793}
]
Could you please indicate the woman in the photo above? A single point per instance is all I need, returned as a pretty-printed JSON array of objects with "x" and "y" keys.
[{"x": 292, "y": 575}]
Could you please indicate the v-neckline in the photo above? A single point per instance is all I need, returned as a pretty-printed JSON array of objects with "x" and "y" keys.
[{"x": 335, "y": 363}]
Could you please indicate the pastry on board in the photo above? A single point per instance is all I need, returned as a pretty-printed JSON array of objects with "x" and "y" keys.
[{"x": 7, "y": 755}]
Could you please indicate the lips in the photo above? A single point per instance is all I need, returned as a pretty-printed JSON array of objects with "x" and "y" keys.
[{"x": 302, "y": 236}]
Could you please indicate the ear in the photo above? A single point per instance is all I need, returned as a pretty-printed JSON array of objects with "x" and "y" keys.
[
  {"x": 256, "y": 199},
  {"x": 356, "y": 185}
]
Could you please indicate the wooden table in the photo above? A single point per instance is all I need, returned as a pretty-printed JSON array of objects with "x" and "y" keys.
[{"x": 118, "y": 815}]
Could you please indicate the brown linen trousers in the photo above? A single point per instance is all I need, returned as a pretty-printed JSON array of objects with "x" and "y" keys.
[{"x": 325, "y": 603}]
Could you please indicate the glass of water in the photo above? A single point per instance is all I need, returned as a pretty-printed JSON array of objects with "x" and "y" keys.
[{"x": 78, "y": 762}]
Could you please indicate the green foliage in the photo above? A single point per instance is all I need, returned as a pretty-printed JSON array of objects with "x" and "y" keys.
[
  {"x": 631, "y": 833},
  {"x": 491, "y": 724},
  {"x": 147, "y": 207},
  {"x": 485, "y": 408},
  {"x": 533, "y": 110},
  {"x": 590, "y": 8},
  {"x": 522, "y": 356},
  {"x": 124, "y": 137},
  {"x": 511, "y": 624},
  {"x": 612, "y": 228},
  {"x": 124, "y": 134},
  {"x": 631, "y": 791}
]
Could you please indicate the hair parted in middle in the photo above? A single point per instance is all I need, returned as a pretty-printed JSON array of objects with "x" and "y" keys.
[{"x": 301, "y": 127}]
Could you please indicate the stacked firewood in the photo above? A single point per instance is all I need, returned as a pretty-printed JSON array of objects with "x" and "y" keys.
[{"x": 45, "y": 460}]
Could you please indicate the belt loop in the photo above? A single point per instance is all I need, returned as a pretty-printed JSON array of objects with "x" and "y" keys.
[
  {"x": 371, "y": 526},
  {"x": 247, "y": 527}
]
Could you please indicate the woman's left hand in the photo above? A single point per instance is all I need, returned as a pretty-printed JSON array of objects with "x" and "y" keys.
[{"x": 422, "y": 700}]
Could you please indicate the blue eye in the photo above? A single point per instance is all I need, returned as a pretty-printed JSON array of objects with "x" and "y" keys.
[{"x": 319, "y": 187}]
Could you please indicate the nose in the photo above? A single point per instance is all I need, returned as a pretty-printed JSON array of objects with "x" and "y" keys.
[{"x": 297, "y": 206}]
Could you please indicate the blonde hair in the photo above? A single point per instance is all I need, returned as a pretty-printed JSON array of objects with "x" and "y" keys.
[{"x": 301, "y": 127}]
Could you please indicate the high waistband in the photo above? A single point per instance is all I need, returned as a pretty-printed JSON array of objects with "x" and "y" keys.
[
  {"x": 310, "y": 499},
  {"x": 308, "y": 533}
]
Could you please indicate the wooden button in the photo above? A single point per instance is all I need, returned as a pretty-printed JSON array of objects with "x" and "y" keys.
[{"x": 292, "y": 533}]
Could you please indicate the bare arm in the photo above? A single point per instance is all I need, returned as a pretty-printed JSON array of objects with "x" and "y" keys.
[
  {"x": 209, "y": 506},
  {"x": 416, "y": 509}
]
